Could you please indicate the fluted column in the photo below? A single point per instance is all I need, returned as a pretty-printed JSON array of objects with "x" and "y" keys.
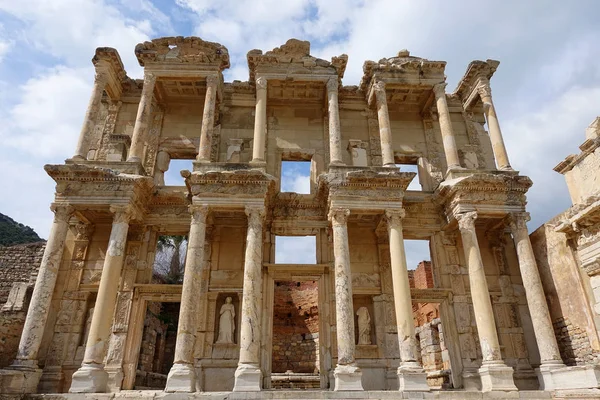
[
  {"x": 248, "y": 373},
  {"x": 142, "y": 119},
  {"x": 536, "y": 299},
  {"x": 495, "y": 375},
  {"x": 208, "y": 118},
  {"x": 37, "y": 315},
  {"x": 260, "y": 121},
  {"x": 91, "y": 376},
  {"x": 100, "y": 82},
  {"x": 485, "y": 91},
  {"x": 385, "y": 132},
  {"x": 335, "y": 135},
  {"x": 450, "y": 149},
  {"x": 347, "y": 374},
  {"x": 411, "y": 376},
  {"x": 182, "y": 376}
]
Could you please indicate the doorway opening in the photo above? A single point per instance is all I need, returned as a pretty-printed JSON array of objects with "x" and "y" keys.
[
  {"x": 295, "y": 358},
  {"x": 157, "y": 350}
]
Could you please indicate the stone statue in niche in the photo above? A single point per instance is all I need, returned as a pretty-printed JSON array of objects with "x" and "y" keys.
[
  {"x": 226, "y": 322},
  {"x": 364, "y": 326}
]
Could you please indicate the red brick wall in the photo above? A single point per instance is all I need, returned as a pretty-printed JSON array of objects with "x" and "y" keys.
[
  {"x": 296, "y": 327},
  {"x": 422, "y": 278}
]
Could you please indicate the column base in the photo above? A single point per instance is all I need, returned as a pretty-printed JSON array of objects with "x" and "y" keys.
[
  {"x": 561, "y": 377},
  {"x": 496, "y": 377},
  {"x": 22, "y": 378},
  {"x": 181, "y": 378},
  {"x": 347, "y": 377},
  {"x": 412, "y": 379},
  {"x": 247, "y": 378},
  {"x": 52, "y": 380},
  {"x": 90, "y": 378},
  {"x": 115, "y": 378}
]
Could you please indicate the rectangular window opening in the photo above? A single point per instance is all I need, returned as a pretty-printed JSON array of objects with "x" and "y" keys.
[
  {"x": 173, "y": 174},
  {"x": 415, "y": 184},
  {"x": 169, "y": 261},
  {"x": 295, "y": 249},
  {"x": 295, "y": 176}
]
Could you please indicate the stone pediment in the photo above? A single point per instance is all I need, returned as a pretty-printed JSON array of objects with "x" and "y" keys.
[
  {"x": 183, "y": 50},
  {"x": 241, "y": 183},
  {"x": 475, "y": 71},
  {"x": 404, "y": 67},
  {"x": 294, "y": 58}
]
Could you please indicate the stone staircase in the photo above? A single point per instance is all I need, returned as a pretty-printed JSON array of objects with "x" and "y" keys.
[{"x": 295, "y": 381}]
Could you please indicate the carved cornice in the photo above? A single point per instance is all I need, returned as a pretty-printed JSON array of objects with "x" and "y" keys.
[
  {"x": 108, "y": 63},
  {"x": 477, "y": 72},
  {"x": 294, "y": 56},
  {"x": 183, "y": 50}
]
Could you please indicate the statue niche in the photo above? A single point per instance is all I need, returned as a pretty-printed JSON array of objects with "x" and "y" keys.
[
  {"x": 226, "y": 322},
  {"x": 364, "y": 326}
]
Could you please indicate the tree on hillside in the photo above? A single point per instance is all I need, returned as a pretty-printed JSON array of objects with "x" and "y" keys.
[
  {"x": 169, "y": 262},
  {"x": 12, "y": 232}
]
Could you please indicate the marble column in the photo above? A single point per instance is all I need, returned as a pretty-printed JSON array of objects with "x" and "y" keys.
[
  {"x": 248, "y": 374},
  {"x": 208, "y": 118},
  {"x": 142, "y": 119},
  {"x": 91, "y": 376},
  {"x": 536, "y": 301},
  {"x": 182, "y": 376},
  {"x": 450, "y": 149},
  {"x": 385, "y": 132},
  {"x": 411, "y": 376},
  {"x": 25, "y": 365},
  {"x": 335, "y": 135},
  {"x": 91, "y": 114},
  {"x": 260, "y": 121},
  {"x": 347, "y": 374},
  {"x": 485, "y": 91},
  {"x": 494, "y": 373}
]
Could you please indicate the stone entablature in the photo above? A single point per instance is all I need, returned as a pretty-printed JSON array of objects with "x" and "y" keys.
[{"x": 83, "y": 331}]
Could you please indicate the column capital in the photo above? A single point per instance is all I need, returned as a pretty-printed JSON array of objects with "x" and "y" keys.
[
  {"x": 261, "y": 83},
  {"x": 518, "y": 221},
  {"x": 440, "y": 89},
  {"x": 379, "y": 91},
  {"x": 149, "y": 78},
  {"x": 466, "y": 221},
  {"x": 122, "y": 213},
  {"x": 394, "y": 218},
  {"x": 62, "y": 212},
  {"x": 101, "y": 77},
  {"x": 333, "y": 84},
  {"x": 212, "y": 80},
  {"x": 338, "y": 215},
  {"x": 483, "y": 87},
  {"x": 255, "y": 215},
  {"x": 199, "y": 212}
]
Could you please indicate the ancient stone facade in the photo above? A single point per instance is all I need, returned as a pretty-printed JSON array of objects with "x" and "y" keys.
[{"x": 85, "y": 324}]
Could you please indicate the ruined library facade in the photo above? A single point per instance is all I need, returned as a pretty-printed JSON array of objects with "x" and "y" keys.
[{"x": 230, "y": 318}]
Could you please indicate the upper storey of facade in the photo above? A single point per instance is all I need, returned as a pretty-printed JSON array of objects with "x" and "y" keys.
[{"x": 294, "y": 107}]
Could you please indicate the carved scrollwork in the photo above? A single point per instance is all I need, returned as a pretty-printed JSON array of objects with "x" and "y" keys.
[
  {"x": 83, "y": 231},
  {"x": 261, "y": 83},
  {"x": 339, "y": 216},
  {"x": 466, "y": 221},
  {"x": 483, "y": 88},
  {"x": 394, "y": 218},
  {"x": 62, "y": 212},
  {"x": 122, "y": 214}
]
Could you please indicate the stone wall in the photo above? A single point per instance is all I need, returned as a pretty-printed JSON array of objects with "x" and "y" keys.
[
  {"x": 422, "y": 278},
  {"x": 296, "y": 327},
  {"x": 19, "y": 263}
]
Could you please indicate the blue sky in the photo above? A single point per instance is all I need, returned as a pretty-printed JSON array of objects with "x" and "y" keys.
[{"x": 546, "y": 90}]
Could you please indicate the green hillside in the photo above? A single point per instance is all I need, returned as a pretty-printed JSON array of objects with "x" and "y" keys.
[{"x": 12, "y": 232}]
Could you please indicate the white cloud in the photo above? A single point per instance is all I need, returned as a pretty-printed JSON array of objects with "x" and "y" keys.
[
  {"x": 295, "y": 177},
  {"x": 295, "y": 249},
  {"x": 5, "y": 46}
]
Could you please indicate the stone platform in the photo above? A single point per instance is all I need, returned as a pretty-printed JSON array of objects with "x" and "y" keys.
[{"x": 314, "y": 394}]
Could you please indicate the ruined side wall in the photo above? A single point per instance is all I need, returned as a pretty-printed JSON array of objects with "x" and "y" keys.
[
  {"x": 19, "y": 263},
  {"x": 569, "y": 308}
]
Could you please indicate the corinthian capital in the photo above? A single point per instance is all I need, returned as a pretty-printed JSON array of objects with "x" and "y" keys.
[
  {"x": 333, "y": 84},
  {"x": 121, "y": 213},
  {"x": 440, "y": 89},
  {"x": 518, "y": 221},
  {"x": 255, "y": 215},
  {"x": 466, "y": 221},
  {"x": 62, "y": 212},
  {"x": 199, "y": 213},
  {"x": 339, "y": 216},
  {"x": 379, "y": 91},
  {"x": 483, "y": 88},
  {"x": 394, "y": 218},
  {"x": 101, "y": 77},
  {"x": 212, "y": 81},
  {"x": 149, "y": 78},
  {"x": 261, "y": 83}
]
